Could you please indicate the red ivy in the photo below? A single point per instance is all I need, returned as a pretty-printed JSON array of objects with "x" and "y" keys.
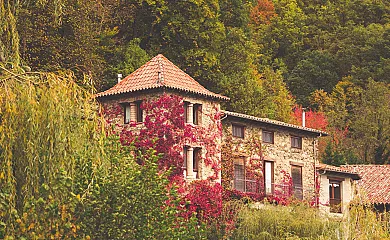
[
  {"x": 205, "y": 199},
  {"x": 284, "y": 190},
  {"x": 164, "y": 131}
]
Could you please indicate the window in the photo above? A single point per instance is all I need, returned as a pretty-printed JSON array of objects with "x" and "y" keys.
[
  {"x": 197, "y": 156},
  {"x": 126, "y": 113},
  {"x": 239, "y": 177},
  {"x": 185, "y": 150},
  {"x": 335, "y": 196},
  {"x": 296, "y": 175},
  {"x": 269, "y": 177},
  {"x": 242, "y": 182},
  {"x": 267, "y": 136},
  {"x": 193, "y": 113},
  {"x": 186, "y": 112},
  {"x": 238, "y": 131},
  {"x": 139, "y": 112},
  {"x": 197, "y": 114},
  {"x": 296, "y": 142}
]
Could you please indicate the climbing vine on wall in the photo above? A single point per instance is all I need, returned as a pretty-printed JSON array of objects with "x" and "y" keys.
[
  {"x": 251, "y": 150},
  {"x": 164, "y": 131}
]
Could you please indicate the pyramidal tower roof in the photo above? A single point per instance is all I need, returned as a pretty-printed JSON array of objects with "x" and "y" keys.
[{"x": 159, "y": 72}]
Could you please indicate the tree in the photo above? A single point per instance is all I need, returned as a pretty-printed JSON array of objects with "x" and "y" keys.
[
  {"x": 370, "y": 126},
  {"x": 61, "y": 177},
  {"x": 48, "y": 126},
  {"x": 59, "y": 35},
  {"x": 262, "y": 12},
  {"x": 133, "y": 201},
  {"x": 278, "y": 101},
  {"x": 316, "y": 120},
  {"x": 9, "y": 37},
  {"x": 316, "y": 70}
]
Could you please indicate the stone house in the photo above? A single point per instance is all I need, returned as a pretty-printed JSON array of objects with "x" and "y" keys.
[
  {"x": 285, "y": 147},
  {"x": 153, "y": 79}
]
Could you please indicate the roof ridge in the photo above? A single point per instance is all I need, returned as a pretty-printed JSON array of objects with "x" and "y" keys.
[
  {"x": 160, "y": 79},
  {"x": 196, "y": 82},
  {"x": 276, "y": 122},
  {"x": 156, "y": 73}
]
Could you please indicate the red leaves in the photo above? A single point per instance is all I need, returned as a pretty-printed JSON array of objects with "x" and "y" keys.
[
  {"x": 263, "y": 12},
  {"x": 164, "y": 131},
  {"x": 284, "y": 190},
  {"x": 316, "y": 120},
  {"x": 205, "y": 200}
]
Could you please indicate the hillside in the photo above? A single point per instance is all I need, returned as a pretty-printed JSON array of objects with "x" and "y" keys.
[{"x": 267, "y": 56}]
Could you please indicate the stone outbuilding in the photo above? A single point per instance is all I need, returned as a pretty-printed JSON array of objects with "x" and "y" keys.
[{"x": 337, "y": 187}]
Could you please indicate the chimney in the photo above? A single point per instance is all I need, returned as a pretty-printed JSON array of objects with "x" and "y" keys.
[
  {"x": 119, "y": 77},
  {"x": 303, "y": 118}
]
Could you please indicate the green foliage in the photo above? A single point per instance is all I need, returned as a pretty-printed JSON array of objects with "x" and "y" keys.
[
  {"x": 122, "y": 59},
  {"x": 279, "y": 222},
  {"x": 370, "y": 124},
  {"x": 359, "y": 119},
  {"x": 333, "y": 157},
  {"x": 9, "y": 37},
  {"x": 304, "y": 222},
  {"x": 61, "y": 178},
  {"x": 278, "y": 101},
  {"x": 48, "y": 125},
  {"x": 59, "y": 35},
  {"x": 362, "y": 222},
  {"x": 131, "y": 201},
  {"x": 316, "y": 70}
]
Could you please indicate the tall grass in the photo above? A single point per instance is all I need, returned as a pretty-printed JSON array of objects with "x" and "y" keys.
[
  {"x": 270, "y": 222},
  {"x": 279, "y": 222}
]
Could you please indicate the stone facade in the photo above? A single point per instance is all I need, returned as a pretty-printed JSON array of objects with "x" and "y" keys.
[
  {"x": 209, "y": 107},
  {"x": 279, "y": 152},
  {"x": 280, "y": 147}
]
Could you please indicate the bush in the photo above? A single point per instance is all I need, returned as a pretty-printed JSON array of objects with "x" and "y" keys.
[{"x": 132, "y": 201}]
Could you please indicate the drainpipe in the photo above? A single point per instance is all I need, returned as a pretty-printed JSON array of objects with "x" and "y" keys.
[{"x": 315, "y": 158}]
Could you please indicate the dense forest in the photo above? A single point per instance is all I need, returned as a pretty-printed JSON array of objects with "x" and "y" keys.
[{"x": 267, "y": 56}]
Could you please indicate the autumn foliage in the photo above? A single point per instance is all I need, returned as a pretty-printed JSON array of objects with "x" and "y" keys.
[
  {"x": 316, "y": 120},
  {"x": 164, "y": 130},
  {"x": 263, "y": 12}
]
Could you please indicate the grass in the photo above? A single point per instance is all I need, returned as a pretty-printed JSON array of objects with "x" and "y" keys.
[{"x": 300, "y": 221}]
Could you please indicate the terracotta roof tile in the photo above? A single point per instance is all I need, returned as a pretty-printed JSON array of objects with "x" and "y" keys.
[
  {"x": 375, "y": 181},
  {"x": 274, "y": 122},
  {"x": 326, "y": 167},
  {"x": 159, "y": 72}
]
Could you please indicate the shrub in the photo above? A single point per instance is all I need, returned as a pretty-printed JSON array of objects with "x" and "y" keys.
[{"x": 132, "y": 201}]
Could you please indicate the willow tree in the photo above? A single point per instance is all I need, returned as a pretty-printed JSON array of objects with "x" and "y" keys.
[
  {"x": 48, "y": 128},
  {"x": 9, "y": 38}
]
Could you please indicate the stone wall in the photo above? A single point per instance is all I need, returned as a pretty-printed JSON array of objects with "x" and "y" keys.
[
  {"x": 280, "y": 152},
  {"x": 209, "y": 108}
]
